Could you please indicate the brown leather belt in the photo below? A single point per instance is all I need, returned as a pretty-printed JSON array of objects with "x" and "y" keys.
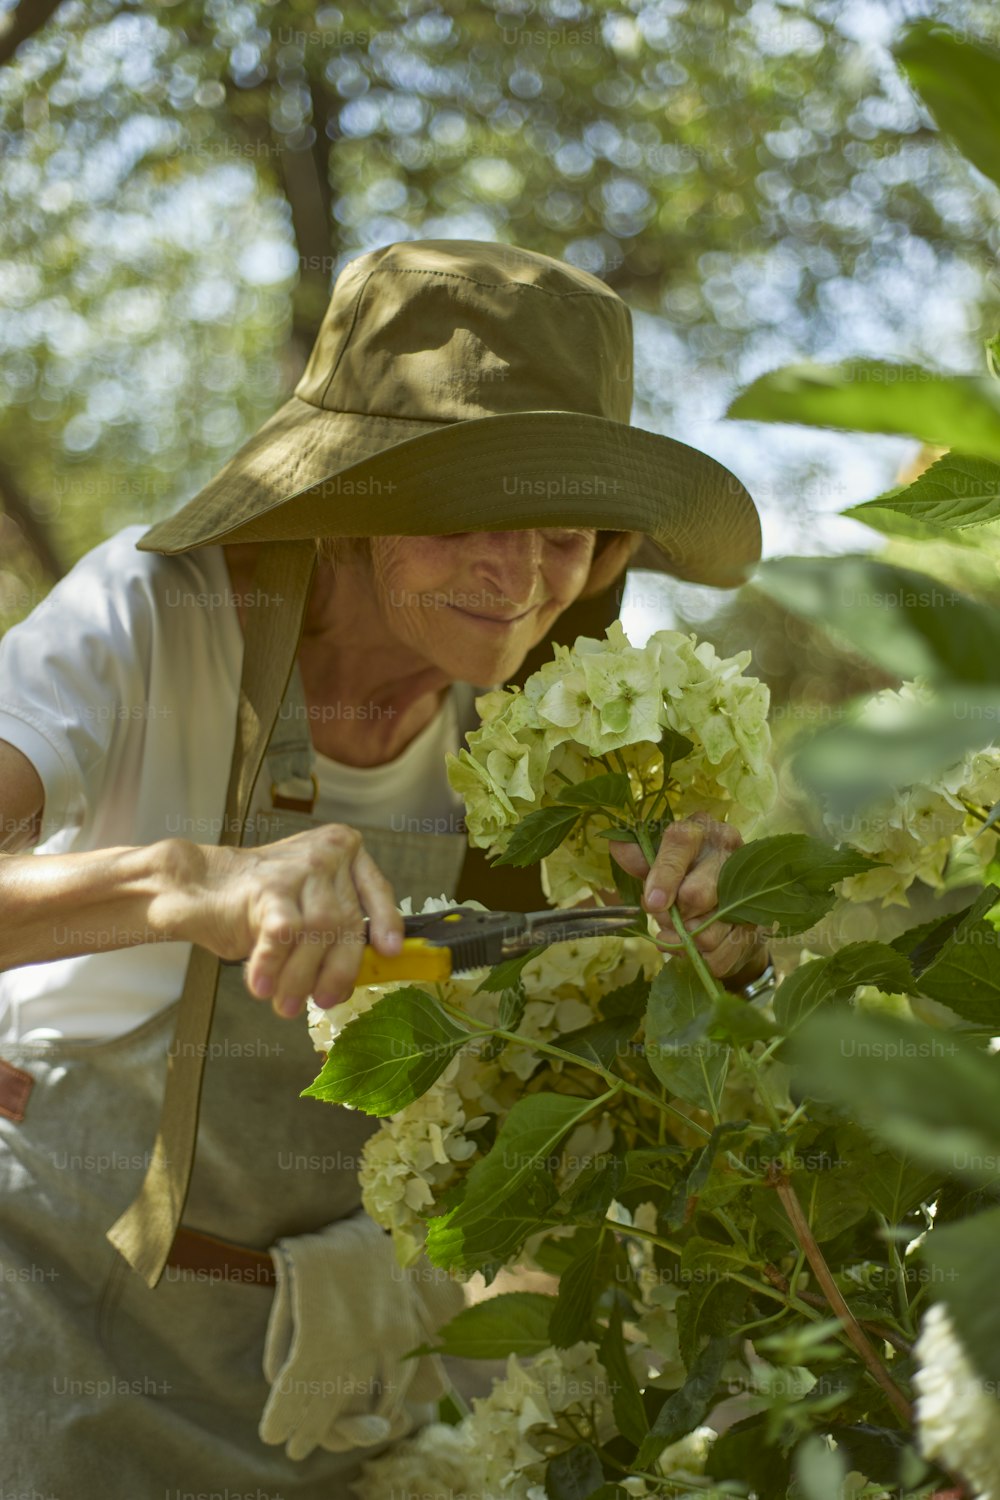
[{"x": 212, "y": 1259}]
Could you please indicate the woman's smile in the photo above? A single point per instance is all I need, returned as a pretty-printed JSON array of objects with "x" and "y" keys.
[{"x": 493, "y": 622}]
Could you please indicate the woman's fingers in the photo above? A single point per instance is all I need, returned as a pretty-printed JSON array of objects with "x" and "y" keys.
[
  {"x": 733, "y": 952},
  {"x": 687, "y": 864},
  {"x": 279, "y": 923},
  {"x": 327, "y": 956},
  {"x": 686, "y": 872},
  {"x": 379, "y": 900},
  {"x": 309, "y": 897}
]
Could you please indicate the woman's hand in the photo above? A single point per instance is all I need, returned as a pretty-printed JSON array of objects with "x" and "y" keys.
[
  {"x": 296, "y": 907},
  {"x": 686, "y": 871}
]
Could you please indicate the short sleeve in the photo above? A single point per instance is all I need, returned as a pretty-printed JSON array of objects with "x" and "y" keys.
[{"x": 72, "y": 675}]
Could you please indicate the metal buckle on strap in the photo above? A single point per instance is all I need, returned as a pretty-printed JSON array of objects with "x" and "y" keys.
[{"x": 293, "y": 803}]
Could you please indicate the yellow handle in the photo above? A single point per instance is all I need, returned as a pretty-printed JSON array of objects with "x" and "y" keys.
[{"x": 416, "y": 960}]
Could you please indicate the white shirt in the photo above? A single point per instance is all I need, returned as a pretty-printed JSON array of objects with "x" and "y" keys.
[{"x": 121, "y": 688}]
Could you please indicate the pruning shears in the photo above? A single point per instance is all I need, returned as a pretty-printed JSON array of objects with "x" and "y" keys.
[{"x": 438, "y": 944}]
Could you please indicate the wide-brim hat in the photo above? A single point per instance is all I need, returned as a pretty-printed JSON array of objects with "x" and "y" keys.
[
  {"x": 460, "y": 386},
  {"x": 454, "y": 386}
]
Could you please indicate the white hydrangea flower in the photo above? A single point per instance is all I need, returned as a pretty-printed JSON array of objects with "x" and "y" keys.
[
  {"x": 438, "y": 1460},
  {"x": 916, "y": 831},
  {"x": 501, "y": 1450},
  {"x": 519, "y": 1427},
  {"x": 605, "y": 695},
  {"x": 957, "y": 1417},
  {"x": 414, "y": 1156}
]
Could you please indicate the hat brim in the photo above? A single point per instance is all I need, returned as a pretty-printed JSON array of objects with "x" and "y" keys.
[{"x": 500, "y": 472}]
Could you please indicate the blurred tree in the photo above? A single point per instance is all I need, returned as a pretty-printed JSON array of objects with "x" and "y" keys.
[{"x": 180, "y": 184}]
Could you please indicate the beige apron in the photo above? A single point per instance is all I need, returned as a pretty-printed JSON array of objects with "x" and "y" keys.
[{"x": 112, "y": 1390}]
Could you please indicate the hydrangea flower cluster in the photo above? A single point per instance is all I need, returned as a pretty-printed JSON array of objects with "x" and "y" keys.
[
  {"x": 916, "y": 832},
  {"x": 607, "y": 696},
  {"x": 503, "y": 1446},
  {"x": 958, "y": 1419}
]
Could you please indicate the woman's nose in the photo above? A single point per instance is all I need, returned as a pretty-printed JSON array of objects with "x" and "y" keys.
[{"x": 510, "y": 562}]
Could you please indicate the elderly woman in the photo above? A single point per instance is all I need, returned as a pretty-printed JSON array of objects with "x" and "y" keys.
[{"x": 227, "y": 736}]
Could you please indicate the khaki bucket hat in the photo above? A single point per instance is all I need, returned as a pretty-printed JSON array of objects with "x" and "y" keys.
[
  {"x": 454, "y": 386},
  {"x": 462, "y": 386}
]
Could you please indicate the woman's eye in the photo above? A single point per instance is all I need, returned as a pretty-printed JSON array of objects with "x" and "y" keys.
[{"x": 565, "y": 536}]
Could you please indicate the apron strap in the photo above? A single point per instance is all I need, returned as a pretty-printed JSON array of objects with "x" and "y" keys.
[
  {"x": 291, "y": 758},
  {"x": 145, "y": 1231}
]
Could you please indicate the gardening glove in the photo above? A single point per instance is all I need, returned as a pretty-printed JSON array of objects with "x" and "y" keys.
[
  {"x": 437, "y": 1299},
  {"x": 344, "y": 1314}
]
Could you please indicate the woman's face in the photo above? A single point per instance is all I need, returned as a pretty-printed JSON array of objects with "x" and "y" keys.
[{"x": 475, "y": 603}]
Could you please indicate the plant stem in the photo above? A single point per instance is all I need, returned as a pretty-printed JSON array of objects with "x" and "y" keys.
[
  {"x": 618, "y": 1084},
  {"x": 897, "y": 1266},
  {"x": 787, "y": 1298},
  {"x": 751, "y": 1064},
  {"x": 664, "y": 1482},
  {"x": 880, "y": 1330},
  {"x": 712, "y": 988},
  {"x": 803, "y": 1233}
]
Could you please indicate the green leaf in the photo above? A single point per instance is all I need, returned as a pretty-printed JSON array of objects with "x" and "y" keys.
[
  {"x": 488, "y": 1243},
  {"x": 629, "y": 887},
  {"x": 868, "y": 395},
  {"x": 907, "y": 622},
  {"x": 897, "y": 523},
  {"x": 511, "y": 1008},
  {"x": 652, "y": 1166},
  {"x": 954, "y": 492},
  {"x": 677, "y": 1210},
  {"x": 693, "y": 1069},
  {"x": 786, "y": 879},
  {"x": 852, "y": 763},
  {"x": 735, "y": 1020},
  {"x": 507, "y": 976},
  {"x": 390, "y": 1055},
  {"x": 575, "y": 1474},
  {"x": 602, "y": 1042},
  {"x": 591, "y": 1192},
  {"x": 626, "y": 1401},
  {"x": 833, "y": 1200},
  {"x": 876, "y": 1452},
  {"x": 674, "y": 746},
  {"x": 628, "y": 999},
  {"x": 707, "y": 1308},
  {"x": 963, "y": 1262},
  {"x": 686, "y": 1408},
  {"x": 538, "y": 835},
  {"x": 610, "y": 790},
  {"x": 958, "y": 79},
  {"x": 921, "y": 945},
  {"x": 965, "y": 974},
  {"x": 927, "y": 1093},
  {"x": 512, "y": 1323},
  {"x": 744, "y": 1453},
  {"x": 618, "y": 833},
  {"x": 820, "y": 1470},
  {"x": 580, "y": 1286},
  {"x": 894, "y": 1184},
  {"x": 527, "y": 1138},
  {"x": 824, "y": 981},
  {"x": 709, "y": 1260}
]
